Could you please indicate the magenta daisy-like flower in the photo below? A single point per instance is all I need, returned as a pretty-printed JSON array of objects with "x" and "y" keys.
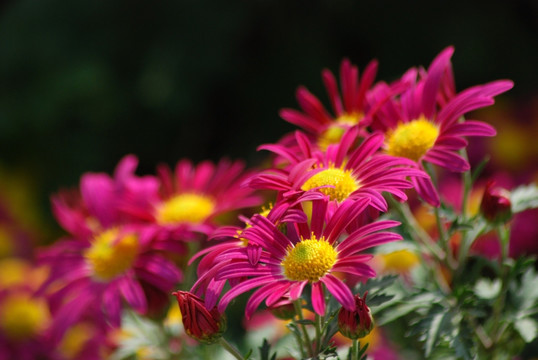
[
  {"x": 308, "y": 254},
  {"x": 423, "y": 124},
  {"x": 105, "y": 261},
  {"x": 350, "y": 105},
  {"x": 341, "y": 172},
  {"x": 189, "y": 200}
]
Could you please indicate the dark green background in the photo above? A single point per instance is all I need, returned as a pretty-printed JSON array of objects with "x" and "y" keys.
[{"x": 83, "y": 83}]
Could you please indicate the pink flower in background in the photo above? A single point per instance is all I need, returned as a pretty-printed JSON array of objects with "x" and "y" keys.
[
  {"x": 189, "y": 200},
  {"x": 105, "y": 260},
  {"x": 417, "y": 128},
  {"x": 342, "y": 172},
  {"x": 350, "y": 106},
  {"x": 306, "y": 255}
]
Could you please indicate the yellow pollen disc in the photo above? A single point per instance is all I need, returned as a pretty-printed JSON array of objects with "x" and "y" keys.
[
  {"x": 109, "y": 255},
  {"x": 342, "y": 180},
  {"x": 399, "y": 261},
  {"x": 413, "y": 139},
  {"x": 309, "y": 260},
  {"x": 185, "y": 208},
  {"x": 331, "y": 136},
  {"x": 349, "y": 119},
  {"x": 22, "y": 317},
  {"x": 74, "y": 340}
]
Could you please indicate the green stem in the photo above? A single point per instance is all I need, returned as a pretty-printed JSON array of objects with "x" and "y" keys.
[
  {"x": 466, "y": 185},
  {"x": 319, "y": 321},
  {"x": 299, "y": 312},
  {"x": 355, "y": 349},
  {"x": 231, "y": 349},
  {"x": 496, "y": 325}
]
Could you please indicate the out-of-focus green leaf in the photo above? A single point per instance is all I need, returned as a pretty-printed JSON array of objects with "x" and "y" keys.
[
  {"x": 527, "y": 328},
  {"x": 524, "y": 197},
  {"x": 487, "y": 289}
]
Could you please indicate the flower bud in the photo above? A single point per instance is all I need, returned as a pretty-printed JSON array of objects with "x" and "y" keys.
[
  {"x": 358, "y": 323},
  {"x": 283, "y": 309},
  {"x": 201, "y": 324},
  {"x": 495, "y": 205}
]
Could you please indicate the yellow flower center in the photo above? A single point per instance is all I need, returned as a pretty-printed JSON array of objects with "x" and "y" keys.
[
  {"x": 413, "y": 139},
  {"x": 74, "y": 339},
  {"x": 185, "y": 208},
  {"x": 333, "y": 134},
  {"x": 399, "y": 261},
  {"x": 309, "y": 260},
  {"x": 22, "y": 317},
  {"x": 342, "y": 180},
  {"x": 349, "y": 119},
  {"x": 110, "y": 255}
]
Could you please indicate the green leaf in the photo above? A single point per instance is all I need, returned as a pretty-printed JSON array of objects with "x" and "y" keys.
[
  {"x": 527, "y": 328},
  {"x": 405, "y": 306},
  {"x": 524, "y": 197},
  {"x": 463, "y": 342},
  {"x": 265, "y": 351},
  {"x": 487, "y": 289},
  {"x": 437, "y": 327}
]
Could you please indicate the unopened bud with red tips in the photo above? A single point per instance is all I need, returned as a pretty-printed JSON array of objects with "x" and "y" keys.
[
  {"x": 496, "y": 205},
  {"x": 283, "y": 309},
  {"x": 358, "y": 323},
  {"x": 204, "y": 325}
]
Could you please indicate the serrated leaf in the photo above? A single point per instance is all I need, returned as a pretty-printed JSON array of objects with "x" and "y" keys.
[
  {"x": 527, "y": 328},
  {"x": 379, "y": 299},
  {"x": 463, "y": 342},
  {"x": 524, "y": 197},
  {"x": 406, "y": 306},
  {"x": 487, "y": 289},
  {"x": 265, "y": 351},
  {"x": 437, "y": 326}
]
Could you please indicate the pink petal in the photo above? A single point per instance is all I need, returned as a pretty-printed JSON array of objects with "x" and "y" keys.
[
  {"x": 318, "y": 298},
  {"x": 339, "y": 290}
]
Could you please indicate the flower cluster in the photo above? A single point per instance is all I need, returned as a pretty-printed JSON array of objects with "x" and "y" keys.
[{"x": 349, "y": 181}]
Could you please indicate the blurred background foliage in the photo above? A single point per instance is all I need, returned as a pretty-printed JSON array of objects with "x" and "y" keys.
[{"x": 83, "y": 83}]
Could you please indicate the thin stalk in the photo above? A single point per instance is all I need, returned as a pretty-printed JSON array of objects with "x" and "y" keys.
[
  {"x": 355, "y": 349},
  {"x": 319, "y": 321},
  {"x": 466, "y": 185},
  {"x": 299, "y": 312},
  {"x": 422, "y": 236},
  {"x": 231, "y": 349}
]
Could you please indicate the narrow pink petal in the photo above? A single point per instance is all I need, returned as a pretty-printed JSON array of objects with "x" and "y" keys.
[
  {"x": 98, "y": 193},
  {"x": 369, "y": 146},
  {"x": 319, "y": 209},
  {"x": 339, "y": 290},
  {"x": 134, "y": 295},
  {"x": 458, "y": 106},
  {"x": 332, "y": 91},
  {"x": 318, "y": 298},
  {"x": 471, "y": 128},
  {"x": 433, "y": 80},
  {"x": 312, "y": 106},
  {"x": 447, "y": 159},
  {"x": 427, "y": 191},
  {"x": 345, "y": 144},
  {"x": 112, "y": 305},
  {"x": 296, "y": 289},
  {"x": 366, "y": 81},
  {"x": 243, "y": 287},
  {"x": 301, "y": 120},
  {"x": 258, "y": 296}
]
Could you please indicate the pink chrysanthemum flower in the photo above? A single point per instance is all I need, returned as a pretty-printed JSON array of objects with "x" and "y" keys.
[
  {"x": 339, "y": 173},
  {"x": 350, "y": 106},
  {"x": 105, "y": 260},
  {"x": 305, "y": 255},
  {"x": 423, "y": 124},
  {"x": 190, "y": 199},
  {"x": 25, "y": 316},
  {"x": 230, "y": 238}
]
